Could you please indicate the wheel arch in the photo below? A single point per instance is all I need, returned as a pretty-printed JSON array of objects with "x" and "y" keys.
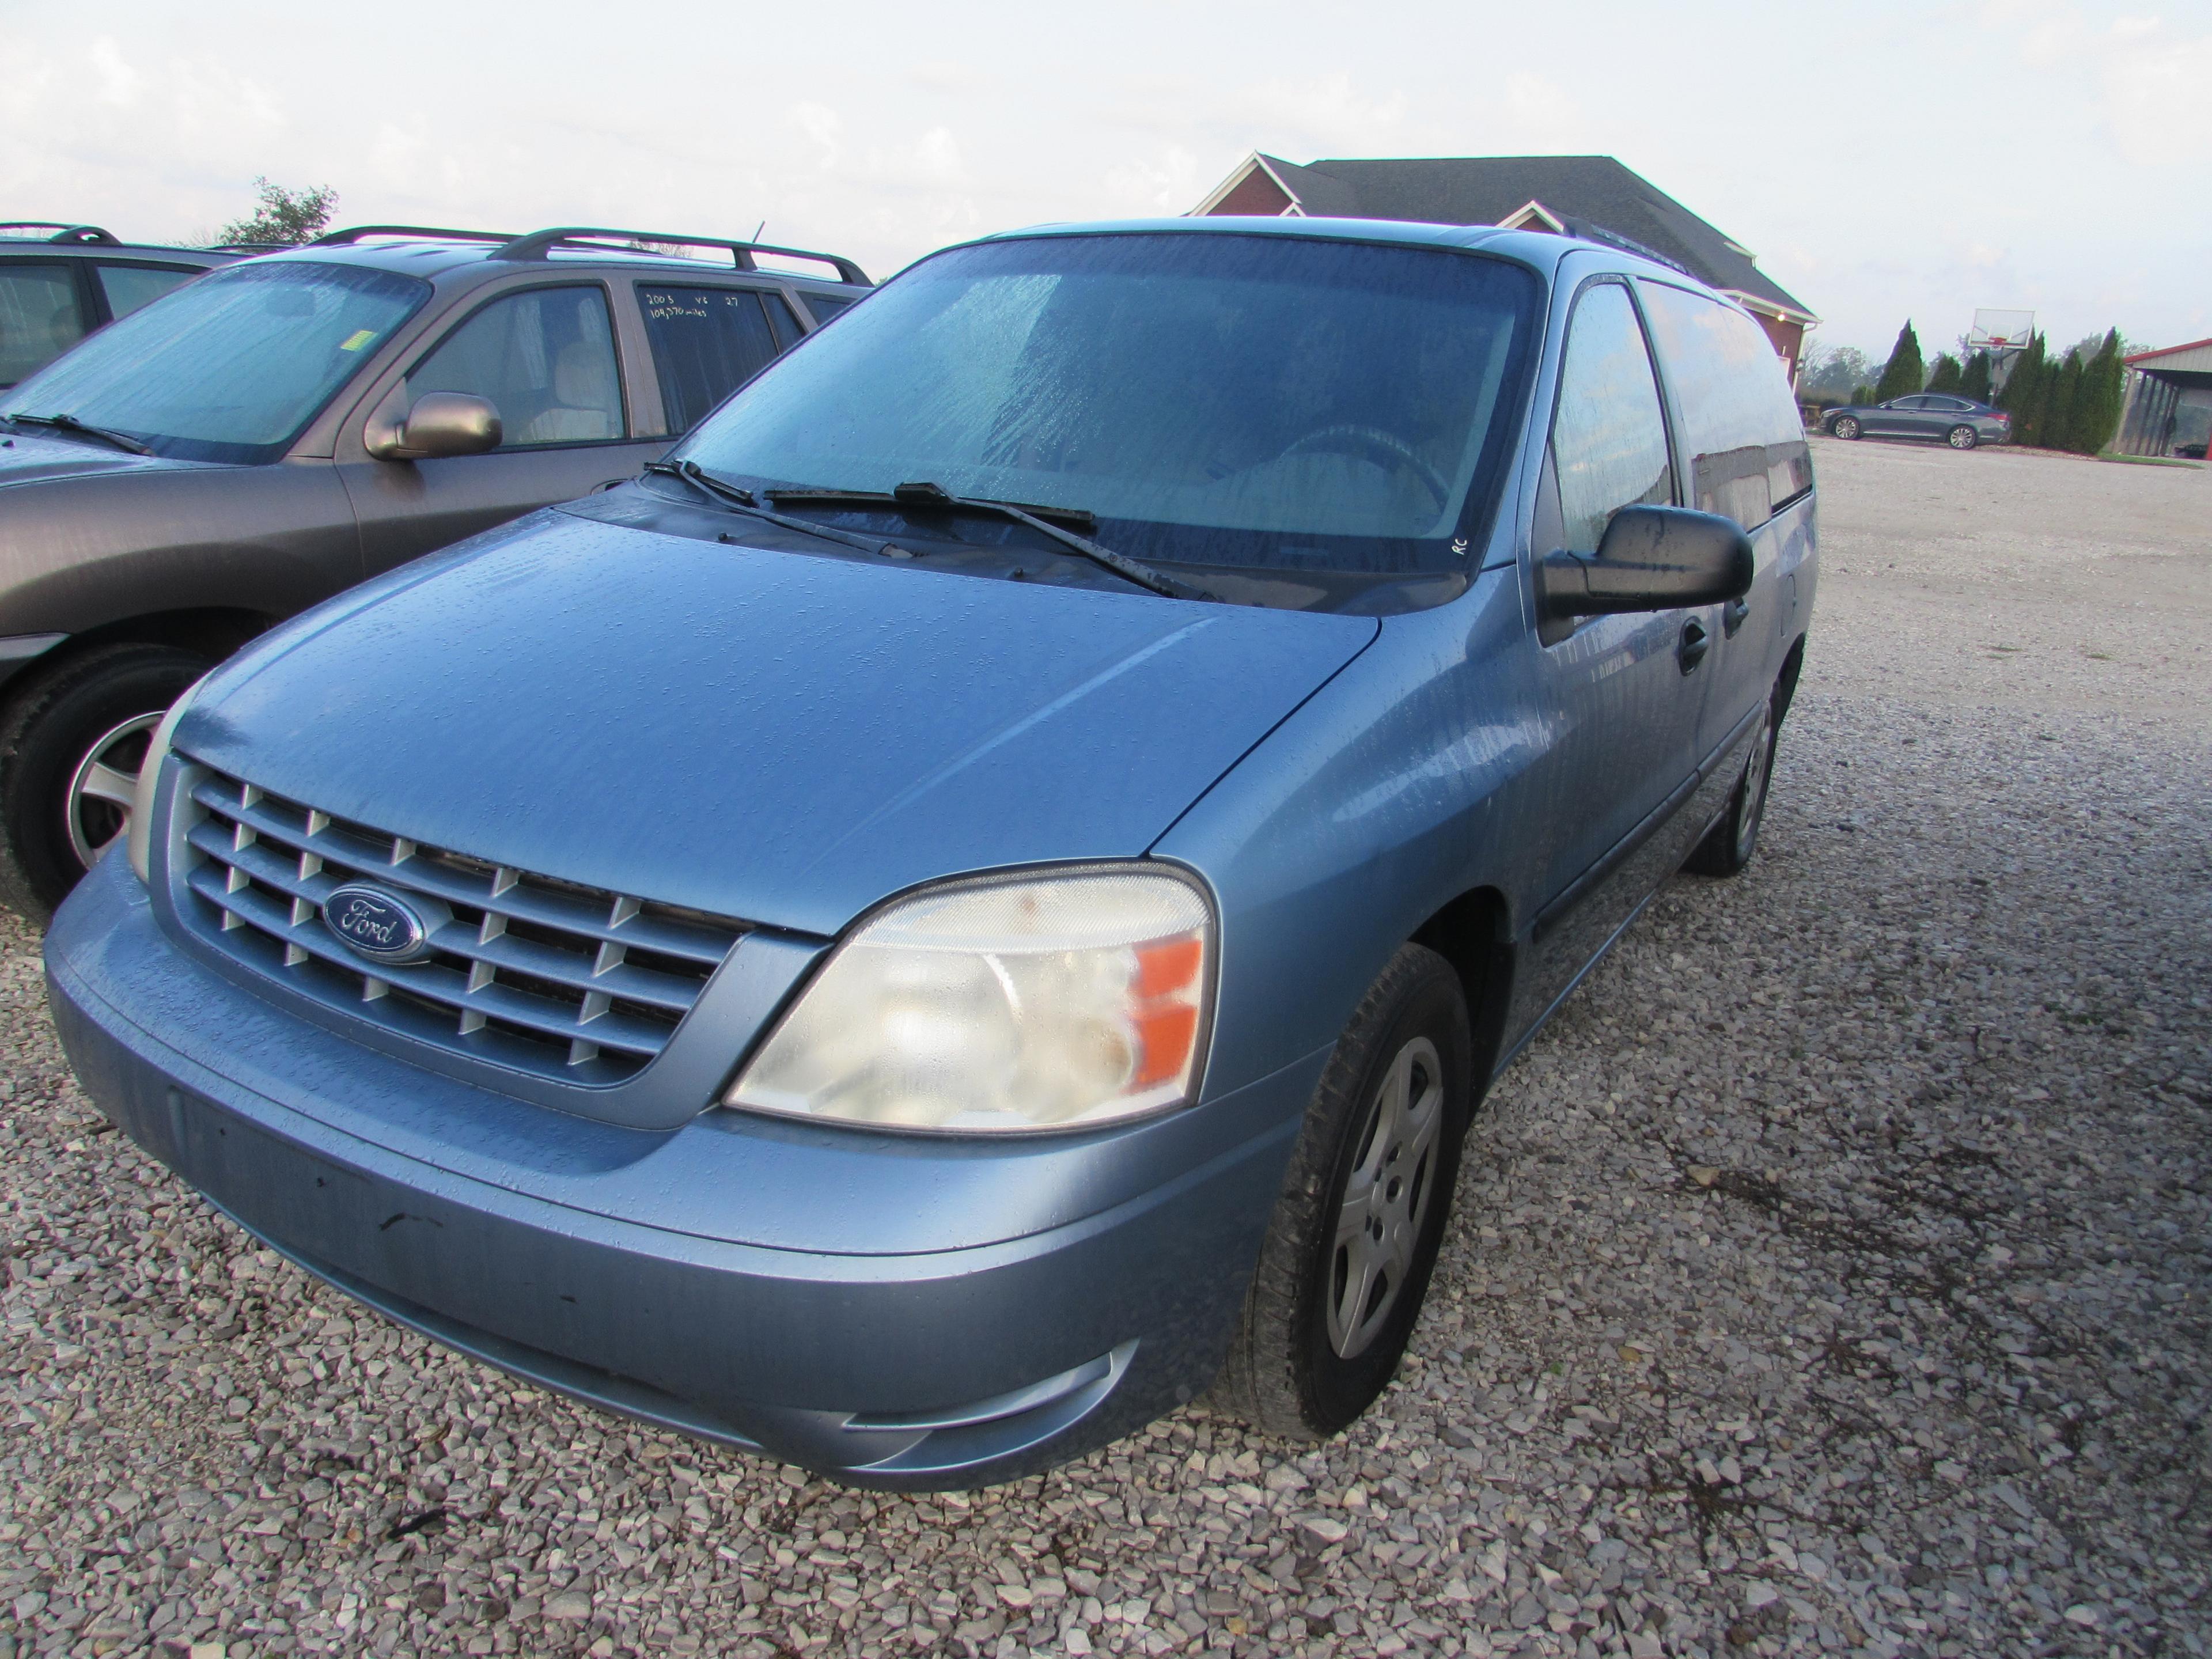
[
  {"x": 1474, "y": 932},
  {"x": 211, "y": 631}
]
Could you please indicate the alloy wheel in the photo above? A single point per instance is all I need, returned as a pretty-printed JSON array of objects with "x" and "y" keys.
[
  {"x": 1386, "y": 1198},
  {"x": 1755, "y": 773},
  {"x": 1847, "y": 429},
  {"x": 1962, "y": 437},
  {"x": 104, "y": 786}
]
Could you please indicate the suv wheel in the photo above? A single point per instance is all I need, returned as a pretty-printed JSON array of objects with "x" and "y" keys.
[
  {"x": 1729, "y": 845},
  {"x": 1962, "y": 437},
  {"x": 1845, "y": 427},
  {"x": 1355, "y": 1235},
  {"x": 70, "y": 744}
]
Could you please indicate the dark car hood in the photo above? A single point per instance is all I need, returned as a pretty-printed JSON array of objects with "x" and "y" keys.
[
  {"x": 772, "y": 736},
  {"x": 30, "y": 456}
]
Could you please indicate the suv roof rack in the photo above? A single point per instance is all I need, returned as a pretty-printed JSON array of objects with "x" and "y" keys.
[
  {"x": 1581, "y": 230},
  {"x": 539, "y": 243},
  {"x": 92, "y": 234},
  {"x": 428, "y": 232}
]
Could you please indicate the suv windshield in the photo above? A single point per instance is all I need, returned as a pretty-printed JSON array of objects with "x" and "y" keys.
[
  {"x": 1262, "y": 402},
  {"x": 229, "y": 368}
]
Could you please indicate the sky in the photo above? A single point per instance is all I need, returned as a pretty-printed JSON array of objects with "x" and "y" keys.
[{"x": 1882, "y": 160}]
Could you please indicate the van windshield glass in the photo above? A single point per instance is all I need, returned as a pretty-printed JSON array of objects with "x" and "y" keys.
[
  {"x": 229, "y": 368},
  {"x": 1263, "y": 402}
]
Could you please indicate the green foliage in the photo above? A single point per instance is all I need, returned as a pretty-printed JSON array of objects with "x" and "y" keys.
[
  {"x": 1974, "y": 380},
  {"x": 2104, "y": 390},
  {"x": 1833, "y": 372},
  {"x": 1862, "y": 395},
  {"x": 1948, "y": 375},
  {"x": 285, "y": 217},
  {"x": 1904, "y": 373},
  {"x": 2063, "y": 405},
  {"x": 2022, "y": 396}
]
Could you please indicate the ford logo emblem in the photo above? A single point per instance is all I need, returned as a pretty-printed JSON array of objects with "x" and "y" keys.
[{"x": 379, "y": 924}]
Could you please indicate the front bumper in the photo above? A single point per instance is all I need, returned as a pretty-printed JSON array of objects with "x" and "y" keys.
[{"x": 915, "y": 1367}]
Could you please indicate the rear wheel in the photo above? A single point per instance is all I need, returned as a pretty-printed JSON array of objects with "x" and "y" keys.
[
  {"x": 1962, "y": 437},
  {"x": 70, "y": 745},
  {"x": 1355, "y": 1235},
  {"x": 1845, "y": 427},
  {"x": 1729, "y": 845}
]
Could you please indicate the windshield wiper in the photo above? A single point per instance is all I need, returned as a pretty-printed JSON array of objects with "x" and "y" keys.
[
  {"x": 929, "y": 496},
  {"x": 70, "y": 424},
  {"x": 738, "y": 499}
]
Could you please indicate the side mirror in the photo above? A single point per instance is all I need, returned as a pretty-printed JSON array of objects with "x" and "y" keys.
[
  {"x": 441, "y": 423},
  {"x": 1651, "y": 558}
]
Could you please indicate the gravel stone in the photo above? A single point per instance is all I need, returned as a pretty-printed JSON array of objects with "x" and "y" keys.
[{"x": 1832, "y": 1276}]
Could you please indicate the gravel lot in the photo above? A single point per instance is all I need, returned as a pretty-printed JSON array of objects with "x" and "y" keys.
[{"x": 1832, "y": 1276}]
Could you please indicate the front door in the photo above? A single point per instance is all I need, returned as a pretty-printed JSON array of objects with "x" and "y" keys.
[
  {"x": 545, "y": 357},
  {"x": 1625, "y": 693}
]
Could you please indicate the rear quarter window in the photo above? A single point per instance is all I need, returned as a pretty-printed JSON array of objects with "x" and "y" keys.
[{"x": 1740, "y": 428}]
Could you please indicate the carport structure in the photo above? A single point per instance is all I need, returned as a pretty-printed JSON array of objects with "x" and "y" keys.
[{"x": 2169, "y": 400}]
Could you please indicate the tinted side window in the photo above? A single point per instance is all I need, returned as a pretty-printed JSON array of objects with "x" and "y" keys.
[
  {"x": 544, "y": 357},
  {"x": 707, "y": 342},
  {"x": 1608, "y": 438},
  {"x": 825, "y": 306},
  {"x": 125, "y": 288},
  {"x": 39, "y": 317},
  {"x": 1741, "y": 427}
]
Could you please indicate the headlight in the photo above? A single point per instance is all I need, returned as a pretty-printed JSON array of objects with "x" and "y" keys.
[
  {"x": 1037, "y": 1003},
  {"x": 141, "y": 843}
]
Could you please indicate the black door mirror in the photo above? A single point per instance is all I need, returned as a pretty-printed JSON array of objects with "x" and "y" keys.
[
  {"x": 440, "y": 424},
  {"x": 1651, "y": 558}
]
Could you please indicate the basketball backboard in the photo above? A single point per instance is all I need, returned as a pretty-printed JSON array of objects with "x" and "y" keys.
[{"x": 2000, "y": 331}]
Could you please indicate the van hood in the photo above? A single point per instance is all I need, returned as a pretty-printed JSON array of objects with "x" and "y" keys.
[
  {"x": 28, "y": 455},
  {"x": 779, "y": 737}
]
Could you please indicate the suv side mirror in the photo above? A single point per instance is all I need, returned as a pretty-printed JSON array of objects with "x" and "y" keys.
[
  {"x": 1651, "y": 558},
  {"x": 441, "y": 423}
]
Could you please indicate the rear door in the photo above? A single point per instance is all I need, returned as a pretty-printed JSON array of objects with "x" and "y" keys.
[
  {"x": 1624, "y": 706},
  {"x": 707, "y": 340},
  {"x": 545, "y": 355},
  {"x": 1741, "y": 446}
]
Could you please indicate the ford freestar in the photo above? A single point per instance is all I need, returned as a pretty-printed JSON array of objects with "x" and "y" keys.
[{"x": 975, "y": 900}]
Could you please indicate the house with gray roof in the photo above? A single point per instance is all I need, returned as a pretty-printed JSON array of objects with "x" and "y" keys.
[{"x": 1589, "y": 196}]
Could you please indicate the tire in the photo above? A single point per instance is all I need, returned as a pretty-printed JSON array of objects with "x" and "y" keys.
[
  {"x": 1727, "y": 847},
  {"x": 1309, "y": 1354},
  {"x": 70, "y": 745},
  {"x": 1845, "y": 427},
  {"x": 1961, "y": 437}
]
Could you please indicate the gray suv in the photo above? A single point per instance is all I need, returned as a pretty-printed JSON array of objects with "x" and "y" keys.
[
  {"x": 59, "y": 282},
  {"x": 257, "y": 442}
]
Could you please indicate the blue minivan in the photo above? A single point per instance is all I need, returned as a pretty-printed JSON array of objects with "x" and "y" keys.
[{"x": 975, "y": 900}]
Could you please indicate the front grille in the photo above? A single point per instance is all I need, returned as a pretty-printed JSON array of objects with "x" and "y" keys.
[{"x": 534, "y": 973}]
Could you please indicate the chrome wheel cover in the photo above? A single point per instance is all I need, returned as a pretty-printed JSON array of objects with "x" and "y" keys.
[
  {"x": 1962, "y": 437},
  {"x": 104, "y": 786},
  {"x": 1755, "y": 771},
  {"x": 1385, "y": 1199},
  {"x": 1847, "y": 429}
]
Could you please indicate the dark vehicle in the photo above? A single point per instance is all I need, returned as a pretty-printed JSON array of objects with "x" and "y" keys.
[
  {"x": 59, "y": 282},
  {"x": 978, "y": 900},
  {"x": 259, "y": 440},
  {"x": 1943, "y": 417}
]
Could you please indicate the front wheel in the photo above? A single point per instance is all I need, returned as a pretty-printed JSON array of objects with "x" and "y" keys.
[
  {"x": 1355, "y": 1234},
  {"x": 70, "y": 746},
  {"x": 1728, "y": 846},
  {"x": 1962, "y": 437},
  {"x": 1845, "y": 427}
]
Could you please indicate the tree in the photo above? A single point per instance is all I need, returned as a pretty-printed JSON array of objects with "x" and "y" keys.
[
  {"x": 1862, "y": 395},
  {"x": 1833, "y": 371},
  {"x": 2104, "y": 390},
  {"x": 1904, "y": 374},
  {"x": 1974, "y": 382},
  {"x": 1948, "y": 375},
  {"x": 285, "y": 218},
  {"x": 2021, "y": 397}
]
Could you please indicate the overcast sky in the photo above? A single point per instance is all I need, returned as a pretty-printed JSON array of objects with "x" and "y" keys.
[{"x": 1881, "y": 160}]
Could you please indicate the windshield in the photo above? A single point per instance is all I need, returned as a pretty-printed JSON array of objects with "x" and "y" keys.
[
  {"x": 229, "y": 368},
  {"x": 1263, "y": 402}
]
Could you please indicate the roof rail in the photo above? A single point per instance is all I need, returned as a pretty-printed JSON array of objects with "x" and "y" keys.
[
  {"x": 1582, "y": 230},
  {"x": 428, "y": 232},
  {"x": 91, "y": 234},
  {"x": 539, "y": 243}
]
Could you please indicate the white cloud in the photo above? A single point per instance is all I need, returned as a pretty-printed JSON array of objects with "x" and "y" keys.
[{"x": 119, "y": 81}]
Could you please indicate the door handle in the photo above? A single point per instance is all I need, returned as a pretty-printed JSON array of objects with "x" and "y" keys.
[
  {"x": 1733, "y": 616},
  {"x": 1695, "y": 643}
]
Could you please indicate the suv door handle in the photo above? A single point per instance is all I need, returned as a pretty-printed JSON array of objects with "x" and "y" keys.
[
  {"x": 1733, "y": 617},
  {"x": 1695, "y": 643}
]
